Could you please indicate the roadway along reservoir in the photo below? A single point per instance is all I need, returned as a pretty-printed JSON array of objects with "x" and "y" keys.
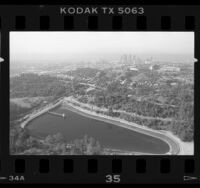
[{"x": 75, "y": 125}]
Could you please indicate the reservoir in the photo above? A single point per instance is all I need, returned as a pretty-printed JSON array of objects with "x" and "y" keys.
[{"x": 75, "y": 126}]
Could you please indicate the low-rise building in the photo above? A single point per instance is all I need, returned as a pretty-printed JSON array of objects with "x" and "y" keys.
[{"x": 170, "y": 69}]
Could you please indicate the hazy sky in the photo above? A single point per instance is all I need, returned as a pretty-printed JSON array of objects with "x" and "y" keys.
[{"x": 36, "y": 46}]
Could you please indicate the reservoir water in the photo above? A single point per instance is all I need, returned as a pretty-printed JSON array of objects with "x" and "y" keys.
[{"x": 110, "y": 136}]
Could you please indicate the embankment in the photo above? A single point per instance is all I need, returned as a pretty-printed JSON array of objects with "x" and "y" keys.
[
  {"x": 39, "y": 113},
  {"x": 173, "y": 144}
]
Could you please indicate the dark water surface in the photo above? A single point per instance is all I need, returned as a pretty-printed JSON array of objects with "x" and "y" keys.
[{"x": 76, "y": 126}]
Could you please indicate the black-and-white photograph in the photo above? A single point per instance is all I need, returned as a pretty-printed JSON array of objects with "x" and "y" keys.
[{"x": 102, "y": 93}]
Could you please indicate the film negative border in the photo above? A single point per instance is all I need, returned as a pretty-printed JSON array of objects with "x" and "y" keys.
[
  {"x": 96, "y": 169},
  {"x": 100, "y": 170},
  {"x": 99, "y": 2}
]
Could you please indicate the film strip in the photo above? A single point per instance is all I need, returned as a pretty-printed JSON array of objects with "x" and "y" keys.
[{"x": 93, "y": 169}]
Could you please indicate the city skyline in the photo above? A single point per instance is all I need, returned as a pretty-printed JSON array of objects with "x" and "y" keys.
[{"x": 31, "y": 47}]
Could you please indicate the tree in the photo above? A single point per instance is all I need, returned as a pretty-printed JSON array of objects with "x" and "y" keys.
[
  {"x": 110, "y": 111},
  {"x": 183, "y": 125},
  {"x": 86, "y": 146}
]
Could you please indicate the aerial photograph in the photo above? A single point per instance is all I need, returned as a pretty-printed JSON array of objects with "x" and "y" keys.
[{"x": 101, "y": 93}]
